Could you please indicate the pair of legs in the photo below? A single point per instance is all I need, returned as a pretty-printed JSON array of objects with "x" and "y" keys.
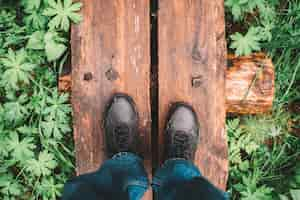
[{"x": 124, "y": 176}]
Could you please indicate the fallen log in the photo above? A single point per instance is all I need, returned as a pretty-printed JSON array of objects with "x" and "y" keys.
[
  {"x": 65, "y": 83},
  {"x": 250, "y": 87},
  {"x": 250, "y": 84}
]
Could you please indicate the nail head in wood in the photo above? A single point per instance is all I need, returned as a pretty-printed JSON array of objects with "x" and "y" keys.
[
  {"x": 111, "y": 74},
  {"x": 196, "y": 81}
]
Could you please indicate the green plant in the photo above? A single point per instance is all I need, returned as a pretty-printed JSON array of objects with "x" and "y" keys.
[
  {"x": 36, "y": 152},
  {"x": 239, "y": 8},
  {"x": 17, "y": 70},
  {"x": 257, "y": 19},
  {"x": 52, "y": 42},
  {"x": 263, "y": 153},
  {"x": 244, "y": 45},
  {"x": 62, "y": 13},
  {"x": 258, "y": 168}
]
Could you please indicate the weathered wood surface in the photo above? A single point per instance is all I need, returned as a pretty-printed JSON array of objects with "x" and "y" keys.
[
  {"x": 250, "y": 84},
  {"x": 192, "y": 69},
  {"x": 110, "y": 53}
]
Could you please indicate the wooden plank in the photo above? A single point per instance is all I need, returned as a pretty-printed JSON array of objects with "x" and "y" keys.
[
  {"x": 192, "y": 69},
  {"x": 110, "y": 53}
]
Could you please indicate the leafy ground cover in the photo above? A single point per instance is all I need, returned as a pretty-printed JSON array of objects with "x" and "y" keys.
[
  {"x": 36, "y": 147},
  {"x": 36, "y": 150},
  {"x": 264, "y": 150}
]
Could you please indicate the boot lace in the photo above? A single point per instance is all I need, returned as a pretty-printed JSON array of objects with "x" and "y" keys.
[
  {"x": 122, "y": 137},
  {"x": 182, "y": 145}
]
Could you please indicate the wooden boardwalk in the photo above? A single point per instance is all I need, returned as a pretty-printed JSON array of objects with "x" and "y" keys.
[{"x": 111, "y": 53}]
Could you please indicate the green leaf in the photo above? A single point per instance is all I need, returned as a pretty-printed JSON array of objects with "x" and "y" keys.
[
  {"x": 9, "y": 185},
  {"x": 49, "y": 188},
  {"x": 43, "y": 166},
  {"x": 14, "y": 36},
  {"x": 36, "y": 41},
  {"x": 3, "y": 143},
  {"x": 15, "y": 110},
  {"x": 27, "y": 130},
  {"x": 54, "y": 128},
  {"x": 62, "y": 14},
  {"x": 35, "y": 20},
  {"x": 283, "y": 197},
  {"x": 5, "y": 178},
  {"x": 54, "y": 50},
  {"x": 244, "y": 166},
  {"x": 255, "y": 4},
  {"x": 261, "y": 193},
  {"x": 295, "y": 194},
  {"x": 21, "y": 150},
  {"x": 58, "y": 107},
  {"x": 16, "y": 68},
  {"x": 239, "y": 8},
  {"x": 31, "y": 4},
  {"x": 53, "y": 46},
  {"x": 244, "y": 45},
  {"x": 236, "y": 8}
]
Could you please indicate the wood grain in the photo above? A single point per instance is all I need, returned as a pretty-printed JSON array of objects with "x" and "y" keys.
[
  {"x": 192, "y": 69},
  {"x": 110, "y": 53}
]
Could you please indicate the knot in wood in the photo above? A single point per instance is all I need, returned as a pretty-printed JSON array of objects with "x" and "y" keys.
[{"x": 88, "y": 76}]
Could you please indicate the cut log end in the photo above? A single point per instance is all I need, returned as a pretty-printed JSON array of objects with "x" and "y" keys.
[
  {"x": 64, "y": 84},
  {"x": 250, "y": 84}
]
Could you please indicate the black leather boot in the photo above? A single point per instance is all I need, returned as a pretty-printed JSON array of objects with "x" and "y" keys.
[
  {"x": 182, "y": 132},
  {"x": 121, "y": 125}
]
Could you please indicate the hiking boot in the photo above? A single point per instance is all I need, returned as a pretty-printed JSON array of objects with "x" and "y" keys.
[
  {"x": 182, "y": 132},
  {"x": 121, "y": 125}
]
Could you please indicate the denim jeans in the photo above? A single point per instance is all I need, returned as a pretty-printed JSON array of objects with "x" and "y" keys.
[{"x": 124, "y": 177}]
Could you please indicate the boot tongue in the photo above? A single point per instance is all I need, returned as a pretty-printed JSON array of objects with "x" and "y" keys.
[{"x": 122, "y": 136}]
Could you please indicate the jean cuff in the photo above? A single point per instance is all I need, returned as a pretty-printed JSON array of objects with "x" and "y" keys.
[
  {"x": 126, "y": 156},
  {"x": 165, "y": 173},
  {"x": 131, "y": 157}
]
